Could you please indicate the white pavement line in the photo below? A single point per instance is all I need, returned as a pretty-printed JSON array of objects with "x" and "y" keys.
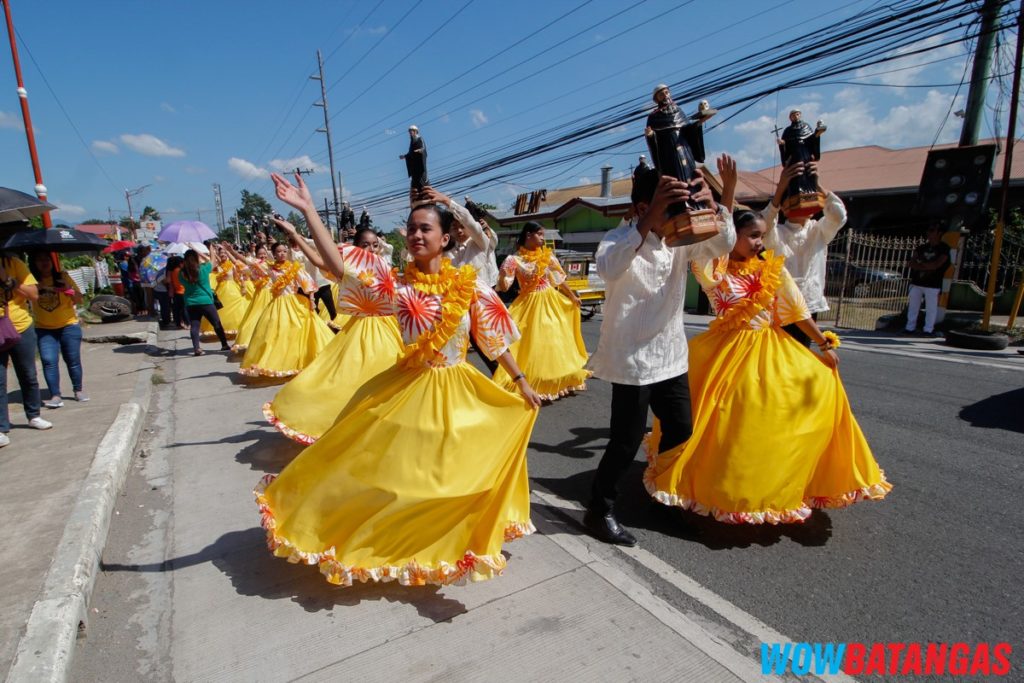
[
  {"x": 716, "y": 603},
  {"x": 45, "y": 650},
  {"x": 867, "y": 348}
]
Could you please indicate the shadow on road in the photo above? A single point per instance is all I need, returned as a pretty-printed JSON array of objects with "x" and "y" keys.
[
  {"x": 253, "y": 571},
  {"x": 1002, "y": 411},
  {"x": 587, "y": 442}
]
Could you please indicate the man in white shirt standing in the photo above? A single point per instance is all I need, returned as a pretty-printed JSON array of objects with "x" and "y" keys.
[
  {"x": 804, "y": 243},
  {"x": 475, "y": 244},
  {"x": 642, "y": 350}
]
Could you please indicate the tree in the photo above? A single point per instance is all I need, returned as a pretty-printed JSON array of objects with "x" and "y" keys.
[
  {"x": 151, "y": 213},
  {"x": 398, "y": 242},
  {"x": 299, "y": 221},
  {"x": 254, "y": 207}
]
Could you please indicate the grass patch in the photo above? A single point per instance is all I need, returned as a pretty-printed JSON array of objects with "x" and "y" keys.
[{"x": 157, "y": 378}]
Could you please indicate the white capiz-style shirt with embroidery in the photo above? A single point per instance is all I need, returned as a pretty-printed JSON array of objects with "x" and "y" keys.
[
  {"x": 643, "y": 340},
  {"x": 478, "y": 250},
  {"x": 805, "y": 248}
]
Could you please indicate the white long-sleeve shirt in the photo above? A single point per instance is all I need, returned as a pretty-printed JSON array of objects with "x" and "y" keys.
[
  {"x": 805, "y": 248},
  {"x": 642, "y": 336},
  {"x": 478, "y": 250}
]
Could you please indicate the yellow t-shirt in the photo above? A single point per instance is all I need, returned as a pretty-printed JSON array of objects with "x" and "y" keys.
[
  {"x": 14, "y": 272},
  {"x": 54, "y": 309}
]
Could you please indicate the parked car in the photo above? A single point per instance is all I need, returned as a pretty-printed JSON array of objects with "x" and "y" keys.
[{"x": 862, "y": 281}]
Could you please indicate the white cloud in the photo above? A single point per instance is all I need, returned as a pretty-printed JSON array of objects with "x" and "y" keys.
[
  {"x": 159, "y": 178},
  {"x": 246, "y": 169},
  {"x": 104, "y": 147},
  {"x": 445, "y": 118},
  {"x": 852, "y": 121},
  {"x": 478, "y": 117},
  {"x": 390, "y": 131},
  {"x": 195, "y": 170},
  {"x": 168, "y": 108},
  {"x": 69, "y": 210},
  {"x": 377, "y": 30},
  {"x": 585, "y": 180},
  {"x": 10, "y": 120},
  {"x": 303, "y": 162},
  {"x": 150, "y": 145},
  {"x": 906, "y": 70}
]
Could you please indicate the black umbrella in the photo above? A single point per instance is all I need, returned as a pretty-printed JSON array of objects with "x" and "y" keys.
[
  {"x": 18, "y": 206},
  {"x": 55, "y": 239}
]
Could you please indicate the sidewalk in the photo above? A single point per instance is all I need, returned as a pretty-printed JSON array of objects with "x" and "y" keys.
[
  {"x": 42, "y": 472},
  {"x": 189, "y": 591}
]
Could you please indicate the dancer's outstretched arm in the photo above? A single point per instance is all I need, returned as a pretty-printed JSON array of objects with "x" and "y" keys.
[{"x": 298, "y": 197}]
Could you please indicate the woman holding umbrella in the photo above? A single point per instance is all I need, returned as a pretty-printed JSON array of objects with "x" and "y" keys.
[
  {"x": 57, "y": 330},
  {"x": 199, "y": 302}
]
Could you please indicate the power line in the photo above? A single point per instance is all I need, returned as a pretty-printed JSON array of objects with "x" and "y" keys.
[{"x": 373, "y": 47}]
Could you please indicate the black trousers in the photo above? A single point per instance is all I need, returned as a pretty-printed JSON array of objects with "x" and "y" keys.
[
  {"x": 796, "y": 333},
  {"x": 669, "y": 400},
  {"x": 195, "y": 318},
  {"x": 324, "y": 296}
]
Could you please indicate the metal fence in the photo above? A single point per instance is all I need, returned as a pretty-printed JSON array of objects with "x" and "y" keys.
[
  {"x": 866, "y": 278},
  {"x": 977, "y": 257}
]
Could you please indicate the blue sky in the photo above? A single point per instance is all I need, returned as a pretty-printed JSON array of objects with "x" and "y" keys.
[{"x": 181, "y": 95}]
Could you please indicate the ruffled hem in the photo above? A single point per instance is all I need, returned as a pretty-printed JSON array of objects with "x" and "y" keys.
[
  {"x": 796, "y": 515},
  {"x": 551, "y": 391},
  {"x": 257, "y": 371},
  {"x": 470, "y": 566},
  {"x": 210, "y": 335},
  {"x": 293, "y": 434},
  {"x": 239, "y": 348}
]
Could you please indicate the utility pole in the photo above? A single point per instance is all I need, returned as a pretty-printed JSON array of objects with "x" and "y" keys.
[
  {"x": 973, "y": 115},
  {"x": 218, "y": 207},
  {"x": 128, "y": 194},
  {"x": 26, "y": 117},
  {"x": 326, "y": 129},
  {"x": 974, "y": 112}
]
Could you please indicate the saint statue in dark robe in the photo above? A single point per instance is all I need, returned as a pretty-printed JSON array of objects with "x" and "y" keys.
[
  {"x": 801, "y": 144},
  {"x": 364, "y": 219},
  {"x": 676, "y": 143},
  {"x": 347, "y": 219},
  {"x": 416, "y": 162}
]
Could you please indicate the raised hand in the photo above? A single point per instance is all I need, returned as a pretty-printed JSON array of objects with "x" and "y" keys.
[
  {"x": 727, "y": 170},
  {"x": 433, "y": 196},
  {"x": 297, "y": 196},
  {"x": 285, "y": 225}
]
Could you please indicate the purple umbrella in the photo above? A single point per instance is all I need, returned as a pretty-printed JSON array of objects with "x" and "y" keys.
[{"x": 186, "y": 231}]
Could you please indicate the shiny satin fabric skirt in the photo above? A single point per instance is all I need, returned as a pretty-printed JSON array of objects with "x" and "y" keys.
[
  {"x": 341, "y": 318},
  {"x": 231, "y": 313},
  {"x": 287, "y": 338},
  {"x": 260, "y": 300},
  {"x": 421, "y": 481},
  {"x": 773, "y": 435},
  {"x": 311, "y": 402},
  {"x": 550, "y": 352}
]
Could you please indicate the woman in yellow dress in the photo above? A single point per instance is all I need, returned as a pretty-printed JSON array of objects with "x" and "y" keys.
[
  {"x": 366, "y": 345},
  {"x": 260, "y": 278},
  {"x": 773, "y": 433},
  {"x": 289, "y": 335},
  {"x": 551, "y": 351},
  {"x": 424, "y": 477},
  {"x": 227, "y": 286}
]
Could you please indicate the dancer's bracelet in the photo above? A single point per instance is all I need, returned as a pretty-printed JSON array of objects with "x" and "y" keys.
[{"x": 518, "y": 377}]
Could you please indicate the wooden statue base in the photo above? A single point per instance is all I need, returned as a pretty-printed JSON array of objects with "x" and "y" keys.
[
  {"x": 803, "y": 205},
  {"x": 690, "y": 227}
]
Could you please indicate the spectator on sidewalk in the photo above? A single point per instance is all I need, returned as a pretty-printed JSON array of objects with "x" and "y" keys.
[
  {"x": 17, "y": 288},
  {"x": 927, "y": 268},
  {"x": 162, "y": 295},
  {"x": 58, "y": 332},
  {"x": 199, "y": 301},
  {"x": 804, "y": 244},
  {"x": 177, "y": 292}
]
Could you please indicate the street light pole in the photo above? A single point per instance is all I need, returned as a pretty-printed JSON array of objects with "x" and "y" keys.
[
  {"x": 26, "y": 117},
  {"x": 327, "y": 130}
]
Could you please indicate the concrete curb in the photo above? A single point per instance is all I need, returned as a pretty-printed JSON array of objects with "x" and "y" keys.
[{"x": 46, "y": 648}]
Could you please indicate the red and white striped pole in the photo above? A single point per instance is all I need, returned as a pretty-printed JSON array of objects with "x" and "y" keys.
[{"x": 23, "y": 96}]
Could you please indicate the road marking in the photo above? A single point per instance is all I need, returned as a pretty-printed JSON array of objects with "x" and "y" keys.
[
  {"x": 685, "y": 584},
  {"x": 867, "y": 348}
]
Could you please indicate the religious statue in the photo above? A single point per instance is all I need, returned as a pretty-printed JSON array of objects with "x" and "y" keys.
[
  {"x": 347, "y": 219},
  {"x": 416, "y": 164},
  {"x": 364, "y": 219},
  {"x": 676, "y": 143},
  {"x": 800, "y": 144},
  {"x": 641, "y": 166}
]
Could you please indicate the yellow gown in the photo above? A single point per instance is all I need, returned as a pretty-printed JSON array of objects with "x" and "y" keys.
[
  {"x": 260, "y": 299},
  {"x": 551, "y": 352},
  {"x": 229, "y": 292},
  {"x": 424, "y": 478},
  {"x": 367, "y": 344},
  {"x": 288, "y": 336},
  {"x": 773, "y": 433},
  {"x": 341, "y": 318}
]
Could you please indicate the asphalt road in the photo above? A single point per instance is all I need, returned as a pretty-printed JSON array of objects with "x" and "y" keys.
[{"x": 938, "y": 560}]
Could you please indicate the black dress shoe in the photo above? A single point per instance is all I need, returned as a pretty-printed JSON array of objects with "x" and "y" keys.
[{"x": 606, "y": 528}]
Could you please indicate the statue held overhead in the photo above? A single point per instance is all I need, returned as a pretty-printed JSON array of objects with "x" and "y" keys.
[
  {"x": 676, "y": 144},
  {"x": 416, "y": 164},
  {"x": 800, "y": 144}
]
